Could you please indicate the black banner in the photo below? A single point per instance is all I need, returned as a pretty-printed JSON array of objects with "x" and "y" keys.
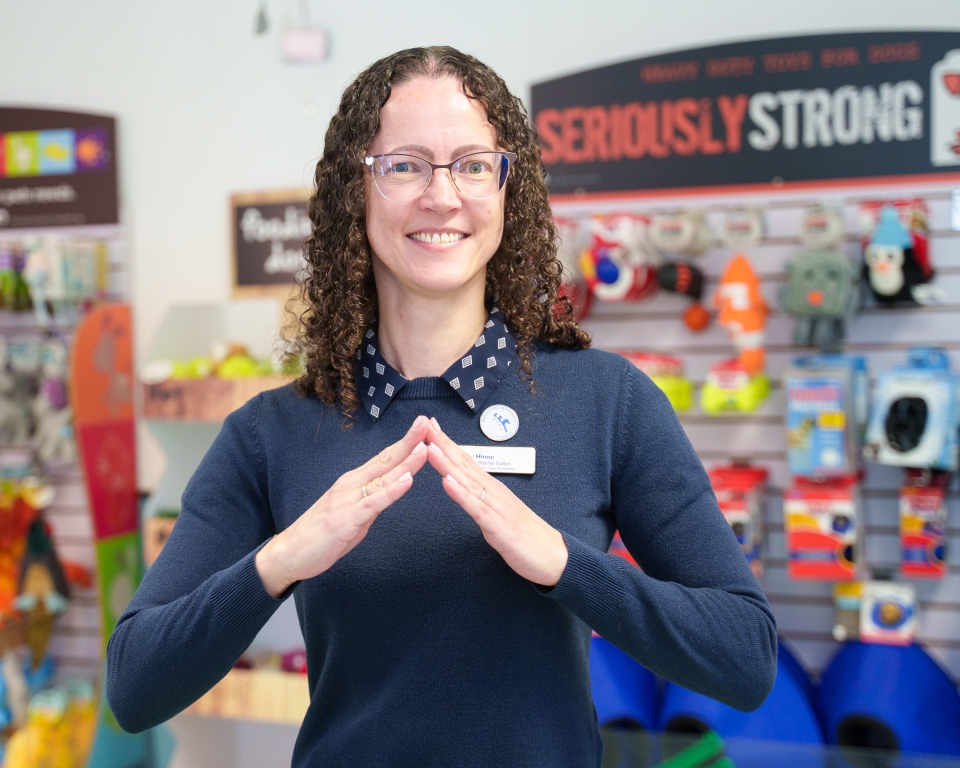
[
  {"x": 824, "y": 107},
  {"x": 57, "y": 168},
  {"x": 268, "y": 233}
]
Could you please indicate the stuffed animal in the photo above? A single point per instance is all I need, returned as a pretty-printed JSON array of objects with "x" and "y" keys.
[
  {"x": 820, "y": 293},
  {"x": 743, "y": 312},
  {"x": 619, "y": 265},
  {"x": 891, "y": 266}
]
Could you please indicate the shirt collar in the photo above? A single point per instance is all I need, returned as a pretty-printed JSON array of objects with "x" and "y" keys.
[{"x": 473, "y": 377}]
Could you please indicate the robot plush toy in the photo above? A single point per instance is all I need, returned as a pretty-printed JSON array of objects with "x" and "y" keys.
[
  {"x": 891, "y": 266},
  {"x": 820, "y": 292}
]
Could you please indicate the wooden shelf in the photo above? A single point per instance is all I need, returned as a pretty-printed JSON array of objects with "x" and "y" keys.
[
  {"x": 257, "y": 694},
  {"x": 210, "y": 399}
]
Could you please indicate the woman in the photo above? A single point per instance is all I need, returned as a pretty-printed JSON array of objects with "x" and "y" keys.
[{"x": 446, "y": 609}]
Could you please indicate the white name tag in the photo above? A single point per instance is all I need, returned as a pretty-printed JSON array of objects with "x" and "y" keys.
[{"x": 503, "y": 459}]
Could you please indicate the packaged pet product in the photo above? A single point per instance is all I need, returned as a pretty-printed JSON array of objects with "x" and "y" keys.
[
  {"x": 739, "y": 491},
  {"x": 888, "y": 613},
  {"x": 822, "y": 525},
  {"x": 915, "y": 414},
  {"x": 826, "y": 414},
  {"x": 923, "y": 524}
]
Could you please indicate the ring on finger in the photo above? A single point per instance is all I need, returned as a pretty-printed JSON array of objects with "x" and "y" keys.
[
  {"x": 363, "y": 490},
  {"x": 483, "y": 492}
]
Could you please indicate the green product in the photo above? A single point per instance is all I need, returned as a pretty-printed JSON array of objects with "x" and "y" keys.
[{"x": 708, "y": 752}]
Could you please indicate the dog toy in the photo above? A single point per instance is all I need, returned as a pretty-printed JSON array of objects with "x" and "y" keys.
[
  {"x": 684, "y": 278},
  {"x": 619, "y": 265},
  {"x": 896, "y": 261},
  {"x": 821, "y": 291}
]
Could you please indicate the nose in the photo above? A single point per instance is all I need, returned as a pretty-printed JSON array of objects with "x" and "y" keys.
[{"x": 441, "y": 193}]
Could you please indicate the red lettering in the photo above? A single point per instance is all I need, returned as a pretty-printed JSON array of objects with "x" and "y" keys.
[
  {"x": 733, "y": 111},
  {"x": 633, "y": 121},
  {"x": 794, "y": 61},
  {"x": 666, "y": 124},
  {"x": 889, "y": 53},
  {"x": 571, "y": 126},
  {"x": 688, "y": 140},
  {"x": 839, "y": 57},
  {"x": 551, "y": 142},
  {"x": 616, "y": 131},
  {"x": 595, "y": 135},
  {"x": 708, "y": 144},
  {"x": 657, "y": 147}
]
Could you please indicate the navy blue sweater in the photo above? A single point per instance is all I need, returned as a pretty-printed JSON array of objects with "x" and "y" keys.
[{"x": 423, "y": 647}]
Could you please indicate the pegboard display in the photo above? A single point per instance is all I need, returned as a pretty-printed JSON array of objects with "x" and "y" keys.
[{"x": 804, "y": 609}]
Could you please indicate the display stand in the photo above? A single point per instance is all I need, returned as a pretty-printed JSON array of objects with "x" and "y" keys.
[{"x": 185, "y": 416}]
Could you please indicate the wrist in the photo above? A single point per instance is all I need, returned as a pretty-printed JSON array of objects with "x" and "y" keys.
[{"x": 268, "y": 563}]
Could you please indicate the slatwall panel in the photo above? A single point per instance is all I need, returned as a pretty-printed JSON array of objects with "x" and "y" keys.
[
  {"x": 76, "y": 646},
  {"x": 804, "y": 610}
]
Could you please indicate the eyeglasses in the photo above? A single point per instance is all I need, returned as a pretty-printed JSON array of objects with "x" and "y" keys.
[{"x": 402, "y": 178}]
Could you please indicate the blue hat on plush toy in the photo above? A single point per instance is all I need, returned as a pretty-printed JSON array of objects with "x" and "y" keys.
[{"x": 890, "y": 230}]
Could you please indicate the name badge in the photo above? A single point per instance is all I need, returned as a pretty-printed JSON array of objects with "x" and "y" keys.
[{"x": 504, "y": 460}]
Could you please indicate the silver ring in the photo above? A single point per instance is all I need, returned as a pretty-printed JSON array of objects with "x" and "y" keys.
[
  {"x": 483, "y": 492},
  {"x": 363, "y": 490}
]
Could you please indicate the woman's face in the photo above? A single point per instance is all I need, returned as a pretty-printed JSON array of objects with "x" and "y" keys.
[{"x": 433, "y": 119}]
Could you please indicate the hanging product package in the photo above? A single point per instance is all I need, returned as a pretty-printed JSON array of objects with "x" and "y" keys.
[
  {"x": 915, "y": 414},
  {"x": 888, "y": 613},
  {"x": 826, "y": 415},
  {"x": 739, "y": 491},
  {"x": 923, "y": 524},
  {"x": 823, "y": 530}
]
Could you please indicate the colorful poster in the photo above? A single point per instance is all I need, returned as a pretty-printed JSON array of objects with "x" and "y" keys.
[{"x": 57, "y": 169}]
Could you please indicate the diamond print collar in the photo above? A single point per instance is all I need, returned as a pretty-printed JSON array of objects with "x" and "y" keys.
[{"x": 473, "y": 377}]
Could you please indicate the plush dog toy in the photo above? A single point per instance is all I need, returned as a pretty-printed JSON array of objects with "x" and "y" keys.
[
  {"x": 820, "y": 293},
  {"x": 619, "y": 265},
  {"x": 891, "y": 266}
]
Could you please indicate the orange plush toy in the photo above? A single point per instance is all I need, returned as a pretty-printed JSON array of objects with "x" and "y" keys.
[
  {"x": 739, "y": 384},
  {"x": 743, "y": 312}
]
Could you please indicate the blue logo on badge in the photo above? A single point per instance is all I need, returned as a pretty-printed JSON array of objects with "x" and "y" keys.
[{"x": 499, "y": 422}]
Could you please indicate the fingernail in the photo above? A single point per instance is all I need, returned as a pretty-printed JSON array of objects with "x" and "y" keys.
[
  {"x": 419, "y": 449},
  {"x": 417, "y": 422},
  {"x": 404, "y": 476},
  {"x": 452, "y": 479},
  {"x": 435, "y": 422}
]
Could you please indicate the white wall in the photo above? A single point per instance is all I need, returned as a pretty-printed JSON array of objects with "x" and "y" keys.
[{"x": 207, "y": 108}]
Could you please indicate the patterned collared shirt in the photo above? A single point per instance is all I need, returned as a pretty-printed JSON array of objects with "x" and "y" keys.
[{"x": 474, "y": 376}]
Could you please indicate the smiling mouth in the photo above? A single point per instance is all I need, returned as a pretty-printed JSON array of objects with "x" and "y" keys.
[{"x": 437, "y": 238}]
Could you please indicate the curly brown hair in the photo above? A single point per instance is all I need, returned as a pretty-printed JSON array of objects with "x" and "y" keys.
[{"x": 337, "y": 293}]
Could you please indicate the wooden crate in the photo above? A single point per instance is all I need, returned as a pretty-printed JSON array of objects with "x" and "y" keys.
[
  {"x": 210, "y": 399},
  {"x": 257, "y": 694}
]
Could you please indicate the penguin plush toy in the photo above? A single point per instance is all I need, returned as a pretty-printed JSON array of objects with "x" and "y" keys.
[{"x": 891, "y": 267}]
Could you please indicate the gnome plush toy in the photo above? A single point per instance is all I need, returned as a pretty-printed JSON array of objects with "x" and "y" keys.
[{"x": 891, "y": 267}]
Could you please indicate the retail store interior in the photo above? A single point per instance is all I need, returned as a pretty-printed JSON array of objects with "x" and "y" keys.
[{"x": 757, "y": 205}]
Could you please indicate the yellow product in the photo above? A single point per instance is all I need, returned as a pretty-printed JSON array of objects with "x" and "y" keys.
[{"x": 679, "y": 391}]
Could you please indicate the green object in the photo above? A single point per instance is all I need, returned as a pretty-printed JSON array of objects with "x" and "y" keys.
[
  {"x": 167, "y": 513},
  {"x": 716, "y": 399},
  {"x": 238, "y": 367},
  {"x": 679, "y": 391},
  {"x": 706, "y": 752}
]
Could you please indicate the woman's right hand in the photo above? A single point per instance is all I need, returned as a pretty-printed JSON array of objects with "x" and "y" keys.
[{"x": 339, "y": 519}]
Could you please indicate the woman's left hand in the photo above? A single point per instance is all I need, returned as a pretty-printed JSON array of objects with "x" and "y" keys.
[{"x": 528, "y": 544}]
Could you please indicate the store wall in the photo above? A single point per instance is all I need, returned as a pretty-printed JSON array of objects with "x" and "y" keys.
[{"x": 207, "y": 108}]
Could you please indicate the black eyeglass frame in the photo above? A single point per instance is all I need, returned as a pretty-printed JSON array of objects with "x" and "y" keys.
[{"x": 510, "y": 157}]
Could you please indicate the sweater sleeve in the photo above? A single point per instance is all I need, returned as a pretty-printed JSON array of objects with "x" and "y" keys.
[
  {"x": 695, "y": 614},
  {"x": 202, "y": 602}
]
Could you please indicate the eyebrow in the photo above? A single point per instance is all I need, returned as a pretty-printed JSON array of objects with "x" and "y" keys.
[{"x": 428, "y": 153}]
